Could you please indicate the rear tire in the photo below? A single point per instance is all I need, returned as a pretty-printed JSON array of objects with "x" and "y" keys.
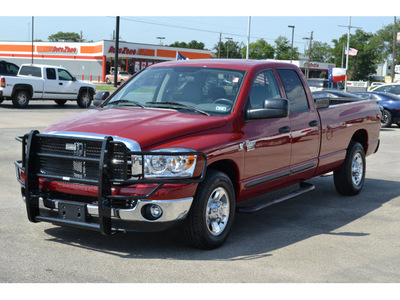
[
  {"x": 386, "y": 120},
  {"x": 21, "y": 99},
  {"x": 349, "y": 178},
  {"x": 211, "y": 216},
  {"x": 84, "y": 99}
]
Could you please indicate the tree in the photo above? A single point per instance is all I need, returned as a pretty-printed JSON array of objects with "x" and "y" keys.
[
  {"x": 192, "y": 45},
  {"x": 321, "y": 52},
  {"x": 259, "y": 50},
  {"x": 383, "y": 41},
  {"x": 283, "y": 48},
  {"x": 65, "y": 36},
  {"x": 363, "y": 65},
  {"x": 229, "y": 49}
]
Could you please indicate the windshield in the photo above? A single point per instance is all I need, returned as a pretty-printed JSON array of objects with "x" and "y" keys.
[{"x": 196, "y": 90}]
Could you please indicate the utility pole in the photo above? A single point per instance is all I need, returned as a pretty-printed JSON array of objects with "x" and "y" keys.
[
  {"x": 116, "y": 64},
  {"x": 394, "y": 49},
  {"x": 32, "y": 37},
  {"x": 291, "y": 51},
  {"x": 219, "y": 45},
  {"x": 348, "y": 50}
]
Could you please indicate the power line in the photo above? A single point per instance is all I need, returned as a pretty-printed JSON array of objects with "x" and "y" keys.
[{"x": 189, "y": 28}]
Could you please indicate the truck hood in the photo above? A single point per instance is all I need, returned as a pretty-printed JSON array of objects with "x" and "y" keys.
[{"x": 146, "y": 126}]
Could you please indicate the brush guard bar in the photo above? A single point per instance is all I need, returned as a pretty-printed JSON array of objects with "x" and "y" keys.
[{"x": 30, "y": 166}]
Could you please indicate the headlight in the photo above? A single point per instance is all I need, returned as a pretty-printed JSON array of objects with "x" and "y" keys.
[{"x": 171, "y": 165}]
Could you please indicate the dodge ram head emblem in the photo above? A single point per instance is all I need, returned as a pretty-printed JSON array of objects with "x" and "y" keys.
[{"x": 77, "y": 147}]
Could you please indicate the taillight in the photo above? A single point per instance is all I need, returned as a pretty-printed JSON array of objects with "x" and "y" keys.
[{"x": 3, "y": 82}]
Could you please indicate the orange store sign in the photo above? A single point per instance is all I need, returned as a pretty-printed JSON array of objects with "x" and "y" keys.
[
  {"x": 124, "y": 50},
  {"x": 60, "y": 50}
]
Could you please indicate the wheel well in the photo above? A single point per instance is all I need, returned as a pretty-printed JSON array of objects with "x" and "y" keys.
[
  {"x": 84, "y": 89},
  {"x": 361, "y": 137},
  {"x": 26, "y": 88},
  {"x": 229, "y": 168}
]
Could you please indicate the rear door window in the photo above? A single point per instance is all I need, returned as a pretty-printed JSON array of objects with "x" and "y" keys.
[{"x": 51, "y": 74}]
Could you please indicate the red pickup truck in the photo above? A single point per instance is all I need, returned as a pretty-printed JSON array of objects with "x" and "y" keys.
[{"x": 192, "y": 143}]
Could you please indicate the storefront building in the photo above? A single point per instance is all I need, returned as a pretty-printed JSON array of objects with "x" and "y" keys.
[{"x": 93, "y": 61}]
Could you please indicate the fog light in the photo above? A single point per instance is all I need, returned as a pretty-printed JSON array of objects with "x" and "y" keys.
[
  {"x": 152, "y": 212},
  {"x": 155, "y": 211}
]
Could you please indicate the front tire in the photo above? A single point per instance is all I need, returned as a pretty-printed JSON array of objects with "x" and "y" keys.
[
  {"x": 84, "y": 99},
  {"x": 21, "y": 99},
  {"x": 349, "y": 178},
  {"x": 211, "y": 216}
]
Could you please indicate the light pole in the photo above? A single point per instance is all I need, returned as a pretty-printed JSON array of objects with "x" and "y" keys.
[
  {"x": 161, "y": 38},
  {"x": 309, "y": 55},
  {"x": 227, "y": 46},
  {"x": 291, "y": 51}
]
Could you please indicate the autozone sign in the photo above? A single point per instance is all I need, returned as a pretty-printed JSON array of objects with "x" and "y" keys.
[
  {"x": 58, "y": 50},
  {"x": 124, "y": 50}
]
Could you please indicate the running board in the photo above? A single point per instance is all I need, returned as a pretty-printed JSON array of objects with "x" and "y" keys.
[{"x": 305, "y": 187}]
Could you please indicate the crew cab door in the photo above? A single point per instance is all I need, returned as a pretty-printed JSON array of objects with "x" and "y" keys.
[
  {"x": 304, "y": 124},
  {"x": 266, "y": 145},
  {"x": 68, "y": 86}
]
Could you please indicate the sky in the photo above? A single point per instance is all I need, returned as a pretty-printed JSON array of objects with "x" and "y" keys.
[{"x": 203, "y": 22}]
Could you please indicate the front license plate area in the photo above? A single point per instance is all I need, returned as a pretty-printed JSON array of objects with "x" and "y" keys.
[{"x": 72, "y": 211}]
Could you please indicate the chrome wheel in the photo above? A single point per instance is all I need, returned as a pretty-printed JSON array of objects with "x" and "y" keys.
[
  {"x": 217, "y": 211},
  {"x": 22, "y": 99},
  {"x": 84, "y": 100},
  {"x": 357, "y": 169}
]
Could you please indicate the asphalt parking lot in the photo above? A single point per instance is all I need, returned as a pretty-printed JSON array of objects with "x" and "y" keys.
[{"x": 319, "y": 237}]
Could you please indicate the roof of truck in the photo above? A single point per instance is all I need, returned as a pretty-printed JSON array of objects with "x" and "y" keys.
[
  {"x": 239, "y": 64},
  {"x": 42, "y": 66}
]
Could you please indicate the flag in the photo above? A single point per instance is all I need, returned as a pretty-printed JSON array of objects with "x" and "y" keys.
[
  {"x": 352, "y": 52},
  {"x": 337, "y": 74},
  {"x": 181, "y": 57}
]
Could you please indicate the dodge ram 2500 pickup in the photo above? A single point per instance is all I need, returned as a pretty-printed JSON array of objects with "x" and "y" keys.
[
  {"x": 45, "y": 83},
  {"x": 192, "y": 143}
]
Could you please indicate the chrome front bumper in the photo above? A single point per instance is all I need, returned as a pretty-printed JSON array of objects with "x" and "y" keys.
[{"x": 173, "y": 211}]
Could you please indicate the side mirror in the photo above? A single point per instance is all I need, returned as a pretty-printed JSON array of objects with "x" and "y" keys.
[
  {"x": 99, "y": 97},
  {"x": 73, "y": 78},
  {"x": 322, "y": 102},
  {"x": 273, "y": 108}
]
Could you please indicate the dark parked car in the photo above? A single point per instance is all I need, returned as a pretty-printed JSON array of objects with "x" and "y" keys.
[
  {"x": 390, "y": 103},
  {"x": 8, "y": 69}
]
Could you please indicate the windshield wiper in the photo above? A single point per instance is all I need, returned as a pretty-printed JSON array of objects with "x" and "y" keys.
[
  {"x": 124, "y": 101},
  {"x": 180, "y": 105}
]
